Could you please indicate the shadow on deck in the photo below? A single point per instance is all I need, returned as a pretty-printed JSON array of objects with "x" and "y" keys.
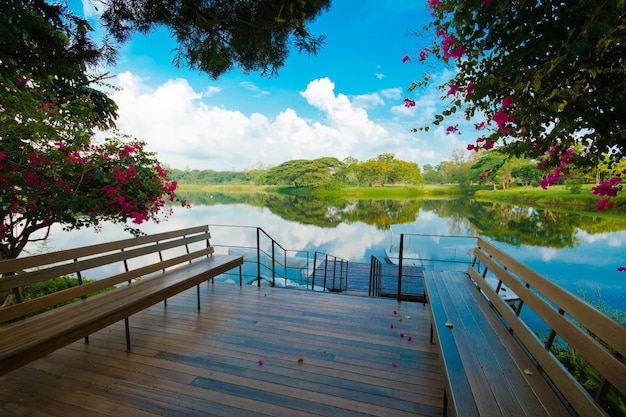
[{"x": 322, "y": 354}]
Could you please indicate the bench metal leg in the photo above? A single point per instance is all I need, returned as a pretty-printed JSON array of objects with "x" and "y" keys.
[
  {"x": 445, "y": 403},
  {"x": 431, "y": 333},
  {"x": 126, "y": 324},
  {"x": 198, "y": 291}
]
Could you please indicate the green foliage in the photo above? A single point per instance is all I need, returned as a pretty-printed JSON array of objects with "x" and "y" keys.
[
  {"x": 50, "y": 286},
  {"x": 41, "y": 288},
  {"x": 316, "y": 173},
  {"x": 214, "y": 36},
  {"x": 211, "y": 177},
  {"x": 547, "y": 76},
  {"x": 432, "y": 176},
  {"x": 574, "y": 185}
]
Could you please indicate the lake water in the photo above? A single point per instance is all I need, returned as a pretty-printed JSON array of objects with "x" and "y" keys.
[{"x": 579, "y": 253}]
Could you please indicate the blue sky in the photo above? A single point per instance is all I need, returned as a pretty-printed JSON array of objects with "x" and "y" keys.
[{"x": 346, "y": 101}]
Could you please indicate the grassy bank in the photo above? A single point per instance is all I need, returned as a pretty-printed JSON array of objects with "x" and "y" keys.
[
  {"x": 223, "y": 188},
  {"x": 426, "y": 191},
  {"x": 554, "y": 197},
  {"x": 374, "y": 193}
]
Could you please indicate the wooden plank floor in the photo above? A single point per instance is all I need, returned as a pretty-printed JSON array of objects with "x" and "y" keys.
[{"x": 323, "y": 354}]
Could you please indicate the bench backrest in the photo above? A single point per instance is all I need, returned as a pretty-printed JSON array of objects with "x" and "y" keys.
[
  {"x": 599, "y": 339},
  {"x": 116, "y": 262}
]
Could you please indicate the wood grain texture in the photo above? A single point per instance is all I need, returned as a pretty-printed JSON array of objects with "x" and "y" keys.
[
  {"x": 323, "y": 354},
  {"x": 488, "y": 373}
]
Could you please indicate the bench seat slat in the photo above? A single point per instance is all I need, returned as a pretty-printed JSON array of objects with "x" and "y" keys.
[
  {"x": 34, "y": 261},
  {"x": 491, "y": 361},
  {"x": 605, "y": 362},
  {"x": 566, "y": 383},
  {"x": 51, "y": 330},
  {"x": 608, "y": 330},
  {"x": 460, "y": 391},
  {"x": 71, "y": 267},
  {"x": 510, "y": 384},
  {"x": 40, "y": 303}
]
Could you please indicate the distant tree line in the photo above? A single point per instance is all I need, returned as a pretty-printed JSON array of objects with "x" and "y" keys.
[
  {"x": 325, "y": 172},
  {"x": 499, "y": 171}
]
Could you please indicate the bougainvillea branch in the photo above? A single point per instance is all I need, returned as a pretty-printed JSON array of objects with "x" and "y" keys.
[{"x": 542, "y": 80}]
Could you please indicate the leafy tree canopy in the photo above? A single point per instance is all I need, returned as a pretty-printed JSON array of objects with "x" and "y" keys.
[
  {"x": 543, "y": 79},
  {"x": 215, "y": 35}
]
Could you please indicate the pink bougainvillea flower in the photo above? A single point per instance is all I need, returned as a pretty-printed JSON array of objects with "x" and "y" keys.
[
  {"x": 470, "y": 87},
  {"x": 402, "y": 335},
  {"x": 395, "y": 312},
  {"x": 453, "y": 89},
  {"x": 451, "y": 48},
  {"x": 391, "y": 325},
  {"x": 260, "y": 362},
  {"x": 409, "y": 338},
  {"x": 488, "y": 145},
  {"x": 607, "y": 188},
  {"x": 457, "y": 52},
  {"x": 406, "y": 58},
  {"x": 507, "y": 102},
  {"x": 621, "y": 268},
  {"x": 409, "y": 103},
  {"x": 502, "y": 118},
  {"x": 451, "y": 129},
  {"x": 433, "y": 3},
  {"x": 604, "y": 204},
  {"x": 471, "y": 147},
  {"x": 487, "y": 2}
]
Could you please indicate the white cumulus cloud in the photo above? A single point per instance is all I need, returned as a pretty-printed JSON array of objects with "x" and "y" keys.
[{"x": 185, "y": 131}]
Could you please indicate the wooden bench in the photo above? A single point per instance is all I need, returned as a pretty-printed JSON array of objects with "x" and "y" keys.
[
  {"x": 135, "y": 274},
  {"x": 495, "y": 364}
]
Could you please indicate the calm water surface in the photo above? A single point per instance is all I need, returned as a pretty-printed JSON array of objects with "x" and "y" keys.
[{"x": 579, "y": 253}]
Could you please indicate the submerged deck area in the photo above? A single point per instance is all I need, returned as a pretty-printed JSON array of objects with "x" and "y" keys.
[{"x": 322, "y": 354}]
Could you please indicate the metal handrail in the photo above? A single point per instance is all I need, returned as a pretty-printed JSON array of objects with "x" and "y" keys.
[
  {"x": 343, "y": 274},
  {"x": 279, "y": 264}
]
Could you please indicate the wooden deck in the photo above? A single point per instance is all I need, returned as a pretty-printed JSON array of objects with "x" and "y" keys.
[{"x": 323, "y": 354}]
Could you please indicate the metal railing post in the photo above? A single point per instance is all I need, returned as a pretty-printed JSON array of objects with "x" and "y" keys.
[
  {"x": 400, "y": 262},
  {"x": 258, "y": 256},
  {"x": 314, "y": 269}
]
